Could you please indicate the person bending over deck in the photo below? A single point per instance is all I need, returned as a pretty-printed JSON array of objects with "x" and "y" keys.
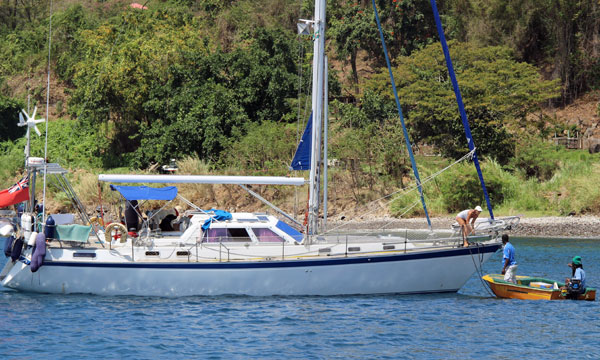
[
  {"x": 576, "y": 284},
  {"x": 509, "y": 270},
  {"x": 466, "y": 220}
]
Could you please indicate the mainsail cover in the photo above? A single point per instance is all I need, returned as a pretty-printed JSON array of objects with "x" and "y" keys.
[{"x": 301, "y": 159}]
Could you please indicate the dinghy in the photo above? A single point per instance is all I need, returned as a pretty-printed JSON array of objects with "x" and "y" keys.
[{"x": 534, "y": 288}]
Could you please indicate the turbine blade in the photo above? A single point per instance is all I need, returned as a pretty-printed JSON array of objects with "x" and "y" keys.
[
  {"x": 21, "y": 120},
  {"x": 37, "y": 131},
  {"x": 34, "y": 111}
]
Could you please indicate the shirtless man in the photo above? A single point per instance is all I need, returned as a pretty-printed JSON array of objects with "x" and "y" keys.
[{"x": 466, "y": 220}]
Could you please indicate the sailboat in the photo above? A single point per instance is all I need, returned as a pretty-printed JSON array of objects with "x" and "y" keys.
[{"x": 213, "y": 252}]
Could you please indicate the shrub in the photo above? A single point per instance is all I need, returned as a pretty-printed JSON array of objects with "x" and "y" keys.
[
  {"x": 9, "y": 117},
  {"x": 461, "y": 188},
  {"x": 406, "y": 204},
  {"x": 536, "y": 159}
]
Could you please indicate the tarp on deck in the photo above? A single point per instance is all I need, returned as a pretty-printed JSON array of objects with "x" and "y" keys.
[
  {"x": 219, "y": 215},
  {"x": 145, "y": 192}
]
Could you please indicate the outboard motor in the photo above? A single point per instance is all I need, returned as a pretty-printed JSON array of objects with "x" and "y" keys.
[
  {"x": 49, "y": 228},
  {"x": 131, "y": 217},
  {"x": 574, "y": 289}
]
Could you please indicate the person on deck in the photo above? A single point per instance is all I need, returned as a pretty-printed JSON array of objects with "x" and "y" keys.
[
  {"x": 509, "y": 270},
  {"x": 577, "y": 273},
  {"x": 466, "y": 220}
]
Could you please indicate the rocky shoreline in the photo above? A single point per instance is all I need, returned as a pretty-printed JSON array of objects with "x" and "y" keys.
[{"x": 555, "y": 226}]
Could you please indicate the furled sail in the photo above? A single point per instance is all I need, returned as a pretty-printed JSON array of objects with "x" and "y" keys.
[{"x": 301, "y": 159}]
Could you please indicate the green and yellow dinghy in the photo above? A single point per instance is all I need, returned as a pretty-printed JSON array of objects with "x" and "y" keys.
[{"x": 533, "y": 288}]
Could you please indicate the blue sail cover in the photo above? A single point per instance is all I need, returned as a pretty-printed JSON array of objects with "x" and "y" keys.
[
  {"x": 219, "y": 215},
  {"x": 301, "y": 159},
  {"x": 145, "y": 192}
]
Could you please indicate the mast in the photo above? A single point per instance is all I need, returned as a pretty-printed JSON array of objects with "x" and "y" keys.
[
  {"x": 325, "y": 125},
  {"x": 317, "y": 110}
]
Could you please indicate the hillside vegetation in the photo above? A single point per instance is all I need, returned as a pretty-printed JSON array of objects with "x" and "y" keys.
[{"x": 224, "y": 87}]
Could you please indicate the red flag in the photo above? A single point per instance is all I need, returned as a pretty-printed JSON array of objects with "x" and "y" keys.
[{"x": 17, "y": 193}]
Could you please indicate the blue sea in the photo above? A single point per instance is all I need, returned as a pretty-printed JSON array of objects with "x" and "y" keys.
[{"x": 468, "y": 325}]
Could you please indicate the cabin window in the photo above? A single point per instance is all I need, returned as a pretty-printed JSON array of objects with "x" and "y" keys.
[
  {"x": 266, "y": 235},
  {"x": 227, "y": 235},
  {"x": 215, "y": 235},
  {"x": 238, "y": 235}
]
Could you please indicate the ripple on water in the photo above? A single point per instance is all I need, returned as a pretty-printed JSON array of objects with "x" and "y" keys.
[{"x": 469, "y": 324}]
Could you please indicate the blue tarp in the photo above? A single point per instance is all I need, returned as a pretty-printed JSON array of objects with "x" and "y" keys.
[
  {"x": 219, "y": 215},
  {"x": 301, "y": 159},
  {"x": 145, "y": 192},
  {"x": 290, "y": 231}
]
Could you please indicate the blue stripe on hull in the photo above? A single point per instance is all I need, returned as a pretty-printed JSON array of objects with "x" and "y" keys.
[{"x": 286, "y": 263}]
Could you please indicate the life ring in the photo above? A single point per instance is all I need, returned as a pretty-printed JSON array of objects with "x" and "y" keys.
[
  {"x": 119, "y": 232},
  {"x": 97, "y": 220}
]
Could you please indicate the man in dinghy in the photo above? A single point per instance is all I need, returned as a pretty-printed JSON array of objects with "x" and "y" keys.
[
  {"x": 576, "y": 284},
  {"x": 466, "y": 220},
  {"x": 509, "y": 270}
]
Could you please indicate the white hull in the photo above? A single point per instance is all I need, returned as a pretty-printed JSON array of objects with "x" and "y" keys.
[{"x": 423, "y": 272}]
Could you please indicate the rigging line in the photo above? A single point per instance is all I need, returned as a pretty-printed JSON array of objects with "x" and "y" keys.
[
  {"x": 47, "y": 116},
  {"x": 426, "y": 179},
  {"x": 479, "y": 269},
  {"x": 399, "y": 216},
  {"x": 191, "y": 204},
  {"x": 406, "y": 190},
  {"x": 405, "y": 132},
  {"x": 459, "y": 101},
  {"x": 300, "y": 75}
]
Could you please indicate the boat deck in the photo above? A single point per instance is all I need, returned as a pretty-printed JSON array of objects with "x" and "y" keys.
[{"x": 169, "y": 249}]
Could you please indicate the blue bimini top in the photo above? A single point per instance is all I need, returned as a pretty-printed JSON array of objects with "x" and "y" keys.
[{"x": 145, "y": 192}]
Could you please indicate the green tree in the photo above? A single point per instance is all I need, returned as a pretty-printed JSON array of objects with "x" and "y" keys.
[
  {"x": 498, "y": 93},
  {"x": 268, "y": 145},
  {"x": 9, "y": 118},
  {"x": 407, "y": 25},
  {"x": 114, "y": 80},
  {"x": 558, "y": 34}
]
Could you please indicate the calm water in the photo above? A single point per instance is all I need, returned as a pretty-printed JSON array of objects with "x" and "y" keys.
[{"x": 470, "y": 324}]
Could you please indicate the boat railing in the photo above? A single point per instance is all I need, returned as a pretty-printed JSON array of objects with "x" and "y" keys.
[
  {"x": 221, "y": 245},
  {"x": 349, "y": 249},
  {"x": 227, "y": 249}
]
